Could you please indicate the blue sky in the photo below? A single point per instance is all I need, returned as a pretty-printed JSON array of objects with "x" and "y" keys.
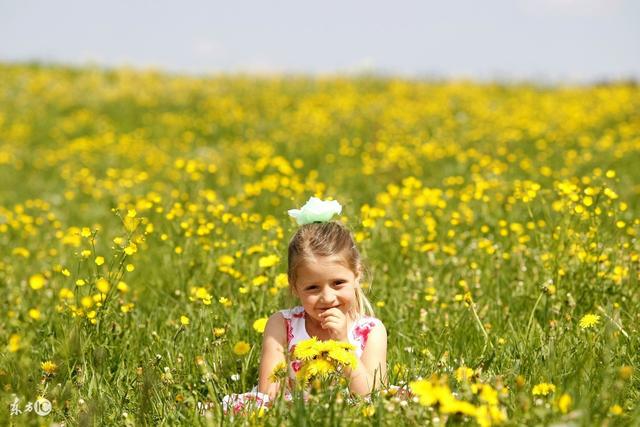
[{"x": 548, "y": 40}]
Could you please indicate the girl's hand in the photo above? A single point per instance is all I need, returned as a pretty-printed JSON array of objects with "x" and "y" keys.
[{"x": 336, "y": 322}]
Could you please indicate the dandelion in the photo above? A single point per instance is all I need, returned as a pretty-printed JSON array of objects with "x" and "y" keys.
[
  {"x": 279, "y": 372},
  {"x": 616, "y": 410},
  {"x": 589, "y": 321},
  {"x": 99, "y": 260},
  {"x": 564, "y": 403},
  {"x": 37, "y": 281},
  {"x": 49, "y": 367},
  {"x": 543, "y": 389},
  {"x": 464, "y": 374},
  {"x": 34, "y": 313},
  {"x": 268, "y": 261},
  {"x": 103, "y": 285},
  {"x": 14, "y": 343},
  {"x": 241, "y": 348},
  {"x": 218, "y": 332},
  {"x": 184, "y": 320},
  {"x": 131, "y": 249},
  {"x": 260, "y": 324},
  {"x": 368, "y": 411},
  {"x": 321, "y": 358},
  {"x": 625, "y": 372}
]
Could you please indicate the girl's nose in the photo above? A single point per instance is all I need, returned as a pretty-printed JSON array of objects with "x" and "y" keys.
[{"x": 327, "y": 296}]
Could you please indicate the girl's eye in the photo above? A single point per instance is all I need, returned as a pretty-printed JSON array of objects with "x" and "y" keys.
[{"x": 339, "y": 282}]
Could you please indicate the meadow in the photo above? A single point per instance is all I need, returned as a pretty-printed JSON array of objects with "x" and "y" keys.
[{"x": 143, "y": 238}]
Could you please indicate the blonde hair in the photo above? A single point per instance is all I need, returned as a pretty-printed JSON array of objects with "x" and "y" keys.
[{"x": 327, "y": 239}]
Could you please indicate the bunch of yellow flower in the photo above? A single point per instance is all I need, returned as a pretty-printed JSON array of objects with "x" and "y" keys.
[
  {"x": 435, "y": 392},
  {"x": 320, "y": 359}
]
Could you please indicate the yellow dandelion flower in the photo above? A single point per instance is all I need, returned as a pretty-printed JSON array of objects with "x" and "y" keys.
[
  {"x": 268, "y": 261},
  {"x": 564, "y": 403},
  {"x": 103, "y": 285},
  {"x": 34, "y": 313},
  {"x": 218, "y": 332},
  {"x": 343, "y": 356},
  {"x": 65, "y": 293},
  {"x": 589, "y": 321},
  {"x": 463, "y": 374},
  {"x": 37, "y": 281},
  {"x": 282, "y": 281},
  {"x": 368, "y": 410},
  {"x": 315, "y": 368},
  {"x": 99, "y": 260},
  {"x": 307, "y": 349},
  {"x": 260, "y": 324},
  {"x": 543, "y": 389},
  {"x": 14, "y": 343},
  {"x": 616, "y": 410},
  {"x": 279, "y": 372},
  {"x": 184, "y": 320},
  {"x": 241, "y": 348},
  {"x": 86, "y": 301},
  {"x": 131, "y": 249},
  {"x": 49, "y": 367}
]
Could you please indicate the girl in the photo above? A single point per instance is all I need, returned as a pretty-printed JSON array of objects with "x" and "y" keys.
[{"x": 324, "y": 272}]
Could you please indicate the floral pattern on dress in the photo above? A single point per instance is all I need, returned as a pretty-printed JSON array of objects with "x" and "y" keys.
[{"x": 361, "y": 332}]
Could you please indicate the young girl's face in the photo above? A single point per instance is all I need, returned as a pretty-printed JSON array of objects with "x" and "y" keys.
[{"x": 325, "y": 284}]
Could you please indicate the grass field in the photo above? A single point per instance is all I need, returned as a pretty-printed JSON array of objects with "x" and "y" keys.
[{"x": 143, "y": 232}]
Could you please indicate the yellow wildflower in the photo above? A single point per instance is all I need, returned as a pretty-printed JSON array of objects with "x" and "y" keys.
[
  {"x": 464, "y": 374},
  {"x": 14, "y": 343},
  {"x": 543, "y": 389},
  {"x": 103, "y": 285},
  {"x": 589, "y": 320},
  {"x": 279, "y": 372},
  {"x": 260, "y": 324},
  {"x": 564, "y": 403},
  {"x": 268, "y": 261},
  {"x": 49, "y": 367},
  {"x": 37, "y": 281},
  {"x": 616, "y": 410},
  {"x": 241, "y": 348}
]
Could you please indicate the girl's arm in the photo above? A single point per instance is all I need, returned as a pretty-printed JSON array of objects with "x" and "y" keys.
[
  {"x": 274, "y": 342},
  {"x": 372, "y": 367}
]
